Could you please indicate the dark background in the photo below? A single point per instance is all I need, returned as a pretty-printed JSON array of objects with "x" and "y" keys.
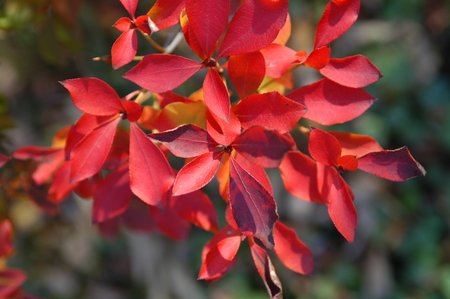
[{"x": 402, "y": 244}]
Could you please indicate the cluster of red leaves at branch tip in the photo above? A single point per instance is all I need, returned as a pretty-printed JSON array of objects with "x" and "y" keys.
[{"x": 233, "y": 141}]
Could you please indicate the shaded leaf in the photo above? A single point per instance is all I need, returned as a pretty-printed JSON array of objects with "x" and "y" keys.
[
  {"x": 3, "y": 159},
  {"x": 324, "y": 147},
  {"x": 278, "y": 59},
  {"x": 133, "y": 110},
  {"x": 166, "y": 13},
  {"x": 256, "y": 171},
  {"x": 246, "y": 72},
  {"x": 223, "y": 132},
  {"x": 130, "y": 6},
  {"x": 170, "y": 223},
  {"x": 31, "y": 152},
  {"x": 177, "y": 114},
  {"x": 60, "y": 186},
  {"x": 356, "y": 144}
]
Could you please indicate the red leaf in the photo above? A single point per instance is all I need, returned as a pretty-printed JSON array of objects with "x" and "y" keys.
[
  {"x": 190, "y": 37},
  {"x": 215, "y": 19},
  {"x": 10, "y": 282},
  {"x": 221, "y": 131},
  {"x": 355, "y": 144},
  {"x": 130, "y": 6},
  {"x": 324, "y": 147},
  {"x": 186, "y": 141},
  {"x": 93, "y": 96},
  {"x": 262, "y": 147},
  {"x": 253, "y": 207},
  {"x": 6, "y": 245},
  {"x": 278, "y": 59},
  {"x": 123, "y": 24},
  {"x": 133, "y": 110},
  {"x": 119, "y": 152},
  {"x": 219, "y": 258},
  {"x": 395, "y": 165},
  {"x": 246, "y": 72},
  {"x": 256, "y": 171},
  {"x": 196, "y": 208},
  {"x": 88, "y": 156},
  {"x": 3, "y": 159},
  {"x": 61, "y": 186},
  {"x": 36, "y": 153},
  {"x": 112, "y": 195},
  {"x": 166, "y": 13},
  {"x": 162, "y": 72},
  {"x": 49, "y": 165},
  {"x": 170, "y": 224},
  {"x": 150, "y": 174},
  {"x": 354, "y": 71},
  {"x": 338, "y": 16},
  {"x": 255, "y": 25},
  {"x": 329, "y": 103},
  {"x": 124, "y": 49},
  {"x": 266, "y": 270},
  {"x": 270, "y": 110},
  {"x": 348, "y": 162},
  {"x": 318, "y": 58},
  {"x": 338, "y": 198},
  {"x": 197, "y": 173},
  {"x": 169, "y": 97},
  {"x": 137, "y": 216},
  {"x": 292, "y": 252},
  {"x": 216, "y": 95},
  {"x": 297, "y": 167}
]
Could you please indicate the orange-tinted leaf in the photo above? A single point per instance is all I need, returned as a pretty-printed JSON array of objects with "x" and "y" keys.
[
  {"x": 93, "y": 96},
  {"x": 278, "y": 59},
  {"x": 270, "y": 110},
  {"x": 186, "y": 141},
  {"x": 190, "y": 37},
  {"x": 197, "y": 173},
  {"x": 162, "y": 72},
  {"x": 318, "y": 58},
  {"x": 348, "y": 162},
  {"x": 88, "y": 156},
  {"x": 285, "y": 32},
  {"x": 221, "y": 131},
  {"x": 178, "y": 113},
  {"x": 148, "y": 117},
  {"x": 124, "y": 49},
  {"x": 354, "y": 71},
  {"x": 255, "y": 25},
  {"x": 266, "y": 270},
  {"x": 151, "y": 176},
  {"x": 246, "y": 72},
  {"x": 169, "y": 97},
  {"x": 216, "y": 95},
  {"x": 292, "y": 252},
  {"x": 253, "y": 207},
  {"x": 166, "y": 13},
  {"x": 395, "y": 165},
  {"x": 324, "y": 147},
  {"x": 355, "y": 144},
  {"x": 338, "y": 16},
  {"x": 112, "y": 195},
  {"x": 329, "y": 103}
]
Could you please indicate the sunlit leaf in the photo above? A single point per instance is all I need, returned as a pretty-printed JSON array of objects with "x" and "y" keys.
[
  {"x": 124, "y": 49},
  {"x": 324, "y": 147},
  {"x": 246, "y": 72}
]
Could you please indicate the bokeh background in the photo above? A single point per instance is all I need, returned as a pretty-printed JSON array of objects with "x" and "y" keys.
[{"x": 402, "y": 244}]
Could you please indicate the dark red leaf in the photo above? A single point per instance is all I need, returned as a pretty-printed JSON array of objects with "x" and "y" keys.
[
  {"x": 39, "y": 197},
  {"x": 119, "y": 152},
  {"x": 93, "y": 96},
  {"x": 354, "y": 71},
  {"x": 151, "y": 176},
  {"x": 133, "y": 110},
  {"x": 6, "y": 245},
  {"x": 395, "y": 165},
  {"x": 196, "y": 208},
  {"x": 112, "y": 195},
  {"x": 256, "y": 171},
  {"x": 221, "y": 131},
  {"x": 60, "y": 187},
  {"x": 208, "y": 25},
  {"x": 355, "y": 144},
  {"x": 338, "y": 16},
  {"x": 297, "y": 167},
  {"x": 324, "y": 147},
  {"x": 318, "y": 58},
  {"x": 162, "y": 72},
  {"x": 278, "y": 59},
  {"x": 255, "y": 25},
  {"x": 88, "y": 156},
  {"x": 262, "y": 147},
  {"x": 124, "y": 49},
  {"x": 197, "y": 173},
  {"x": 216, "y": 95},
  {"x": 270, "y": 110},
  {"x": 137, "y": 217},
  {"x": 186, "y": 141},
  {"x": 246, "y": 72},
  {"x": 3, "y": 159},
  {"x": 166, "y": 13},
  {"x": 130, "y": 6},
  {"x": 329, "y": 103},
  {"x": 170, "y": 224},
  {"x": 266, "y": 270},
  {"x": 292, "y": 252},
  {"x": 253, "y": 207}
]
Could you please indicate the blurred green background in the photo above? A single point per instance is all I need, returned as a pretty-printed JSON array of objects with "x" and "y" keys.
[{"x": 402, "y": 244}]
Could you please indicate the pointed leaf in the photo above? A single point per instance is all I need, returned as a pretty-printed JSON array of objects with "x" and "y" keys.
[
  {"x": 395, "y": 165},
  {"x": 215, "y": 20},
  {"x": 88, "y": 156},
  {"x": 166, "y": 13},
  {"x": 246, "y": 72},
  {"x": 253, "y": 207},
  {"x": 348, "y": 162},
  {"x": 93, "y": 96},
  {"x": 338, "y": 16},
  {"x": 256, "y": 171},
  {"x": 186, "y": 141},
  {"x": 292, "y": 252},
  {"x": 267, "y": 271},
  {"x": 262, "y": 147},
  {"x": 190, "y": 37},
  {"x": 329, "y": 103},
  {"x": 285, "y": 32},
  {"x": 124, "y": 49},
  {"x": 60, "y": 187},
  {"x": 354, "y": 71},
  {"x": 47, "y": 167},
  {"x": 255, "y": 25},
  {"x": 270, "y": 110},
  {"x": 130, "y": 6},
  {"x": 324, "y": 147},
  {"x": 123, "y": 24},
  {"x": 318, "y": 58},
  {"x": 355, "y": 144},
  {"x": 112, "y": 195},
  {"x": 162, "y": 72},
  {"x": 216, "y": 95},
  {"x": 197, "y": 173},
  {"x": 150, "y": 174},
  {"x": 221, "y": 131},
  {"x": 278, "y": 59},
  {"x": 133, "y": 110}
]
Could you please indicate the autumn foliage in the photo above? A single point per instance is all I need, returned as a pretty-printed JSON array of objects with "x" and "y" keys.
[{"x": 238, "y": 124}]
